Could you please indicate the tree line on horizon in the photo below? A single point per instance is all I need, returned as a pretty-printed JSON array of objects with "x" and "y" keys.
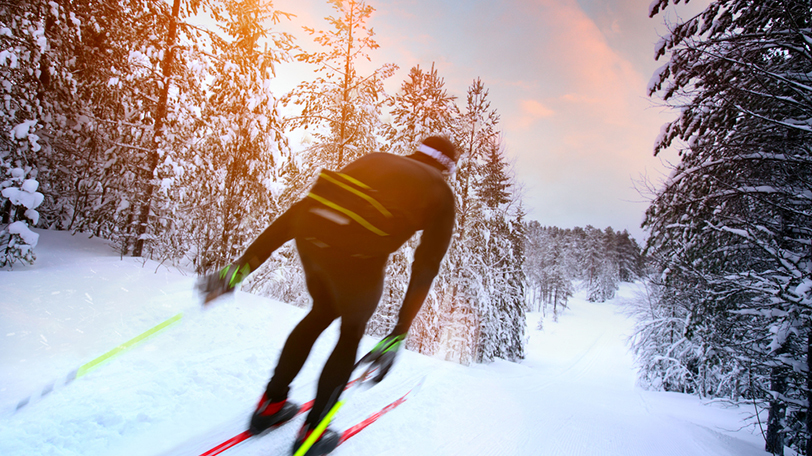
[{"x": 560, "y": 261}]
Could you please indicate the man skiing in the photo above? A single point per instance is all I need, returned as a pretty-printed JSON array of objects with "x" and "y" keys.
[{"x": 345, "y": 230}]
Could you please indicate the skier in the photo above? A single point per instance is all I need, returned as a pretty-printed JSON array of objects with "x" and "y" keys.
[{"x": 345, "y": 230}]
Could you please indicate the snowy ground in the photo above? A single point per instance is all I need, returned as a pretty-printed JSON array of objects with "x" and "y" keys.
[{"x": 191, "y": 385}]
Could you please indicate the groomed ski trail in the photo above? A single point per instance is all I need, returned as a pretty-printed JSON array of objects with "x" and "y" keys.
[{"x": 574, "y": 394}]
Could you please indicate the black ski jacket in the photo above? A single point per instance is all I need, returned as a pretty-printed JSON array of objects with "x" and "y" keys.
[{"x": 412, "y": 188}]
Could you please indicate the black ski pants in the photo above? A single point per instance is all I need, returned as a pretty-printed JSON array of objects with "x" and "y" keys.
[{"x": 341, "y": 286}]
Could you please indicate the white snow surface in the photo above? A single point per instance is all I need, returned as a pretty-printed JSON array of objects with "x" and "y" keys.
[{"x": 194, "y": 384}]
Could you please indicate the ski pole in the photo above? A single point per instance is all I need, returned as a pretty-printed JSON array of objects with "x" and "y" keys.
[
  {"x": 319, "y": 430},
  {"x": 93, "y": 364}
]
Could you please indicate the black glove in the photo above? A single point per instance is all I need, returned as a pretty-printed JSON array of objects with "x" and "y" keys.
[
  {"x": 383, "y": 355},
  {"x": 225, "y": 281}
]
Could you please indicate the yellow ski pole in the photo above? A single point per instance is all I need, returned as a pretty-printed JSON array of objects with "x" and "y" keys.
[
  {"x": 93, "y": 364},
  {"x": 316, "y": 434}
]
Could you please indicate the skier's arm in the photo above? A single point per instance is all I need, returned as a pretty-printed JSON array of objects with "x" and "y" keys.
[
  {"x": 227, "y": 279},
  {"x": 427, "y": 258},
  {"x": 278, "y": 233}
]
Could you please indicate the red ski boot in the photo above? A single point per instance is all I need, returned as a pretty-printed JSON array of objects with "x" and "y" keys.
[{"x": 270, "y": 414}]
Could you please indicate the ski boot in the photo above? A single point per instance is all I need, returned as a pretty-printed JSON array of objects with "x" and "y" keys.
[
  {"x": 324, "y": 445},
  {"x": 270, "y": 414}
]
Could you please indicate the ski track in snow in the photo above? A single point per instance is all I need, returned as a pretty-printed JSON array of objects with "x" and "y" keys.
[{"x": 194, "y": 384}]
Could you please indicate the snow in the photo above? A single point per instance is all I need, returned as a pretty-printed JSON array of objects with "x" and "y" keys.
[
  {"x": 803, "y": 288},
  {"x": 30, "y": 185},
  {"x": 20, "y": 131},
  {"x": 189, "y": 386},
  {"x": 22, "y": 197},
  {"x": 654, "y": 81},
  {"x": 21, "y": 228}
]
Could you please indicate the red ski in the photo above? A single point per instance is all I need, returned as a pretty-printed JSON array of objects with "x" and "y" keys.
[
  {"x": 374, "y": 417},
  {"x": 245, "y": 435},
  {"x": 349, "y": 432}
]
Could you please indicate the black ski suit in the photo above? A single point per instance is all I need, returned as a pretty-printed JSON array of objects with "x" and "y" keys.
[{"x": 346, "y": 280}]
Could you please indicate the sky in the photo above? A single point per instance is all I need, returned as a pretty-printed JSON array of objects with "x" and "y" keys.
[{"x": 568, "y": 78}]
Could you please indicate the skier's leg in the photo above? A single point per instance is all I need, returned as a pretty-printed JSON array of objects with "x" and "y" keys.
[
  {"x": 336, "y": 372},
  {"x": 304, "y": 335},
  {"x": 356, "y": 306},
  {"x": 295, "y": 353},
  {"x": 274, "y": 407}
]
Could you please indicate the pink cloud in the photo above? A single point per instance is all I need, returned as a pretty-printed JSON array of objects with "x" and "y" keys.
[
  {"x": 535, "y": 109},
  {"x": 532, "y": 110}
]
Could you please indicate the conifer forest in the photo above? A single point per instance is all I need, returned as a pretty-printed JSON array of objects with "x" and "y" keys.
[{"x": 137, "y": 122}]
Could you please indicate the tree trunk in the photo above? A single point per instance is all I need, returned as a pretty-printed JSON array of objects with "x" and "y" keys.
[
  {"x": 346, "y": 89},
  {"x": 7, "y": 213},
  {"x": 160, "y": 116},
  {"x": 808, "y": 392},
  {"x": 775, "y": 420}
]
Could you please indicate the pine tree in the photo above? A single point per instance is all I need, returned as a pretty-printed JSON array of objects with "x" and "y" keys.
[
  {"x": 463, "y": 295},
  {"x": 174, "y": 39},
  {"x": 599, "y": 267},
  {"x": 558, "y": 257},
  {"x": 505, "y": 281},
  {"x": 421, "y": 108},
  {"x": 477, "y": 311},
  {"x": 342, "y": 107},
  {"x": 22, "y": 34},
  {"x": 729, "y": 227},
  {"x": 475, "y": 130},
  {"x": 78, "y": 89},
  {"x": 162, "y": 106},
  {"x": 495, "y": 183},
  {"x": 242, "y": 147},
  {"x": 626, "y": 253}
]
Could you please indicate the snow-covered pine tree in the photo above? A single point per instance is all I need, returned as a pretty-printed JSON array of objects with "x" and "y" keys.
[
  {"x": 556, "y": 257},
  {"x": 560, "y": 285},
  {"x": 66, "y": 65},
  {"x": 96, "y": 89},
  {"x": 732, "y": 220},
  {"x": 22, "y": 30},
  {"x": 153, "y": 152},
  {"x": 532, "y": 261},
  {"x": 516, "y": 278},
  {"x": 601, "y": 272},
  {"x": 593, "y": 261},
  {"x": 341, "y": 108},
  {"x": 460, "y": 289},
  {"x": 476, "y": 128},
  {"x": 17, "y": 241},
  {"x": 242, "y": 154},
  {"x": 502, "y": 322},
  {"x": 666, "y": 357},
  {"x": 173, "y": 78},
  {"x": 103, "y": 151},
  {"x": 547, "y": 267},
  {"x": 627, "y": 255},
  {"x": 422, "y": 108}
]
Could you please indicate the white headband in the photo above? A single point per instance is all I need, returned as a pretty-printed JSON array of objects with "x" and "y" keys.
[{"x": 439, "y": 156}]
